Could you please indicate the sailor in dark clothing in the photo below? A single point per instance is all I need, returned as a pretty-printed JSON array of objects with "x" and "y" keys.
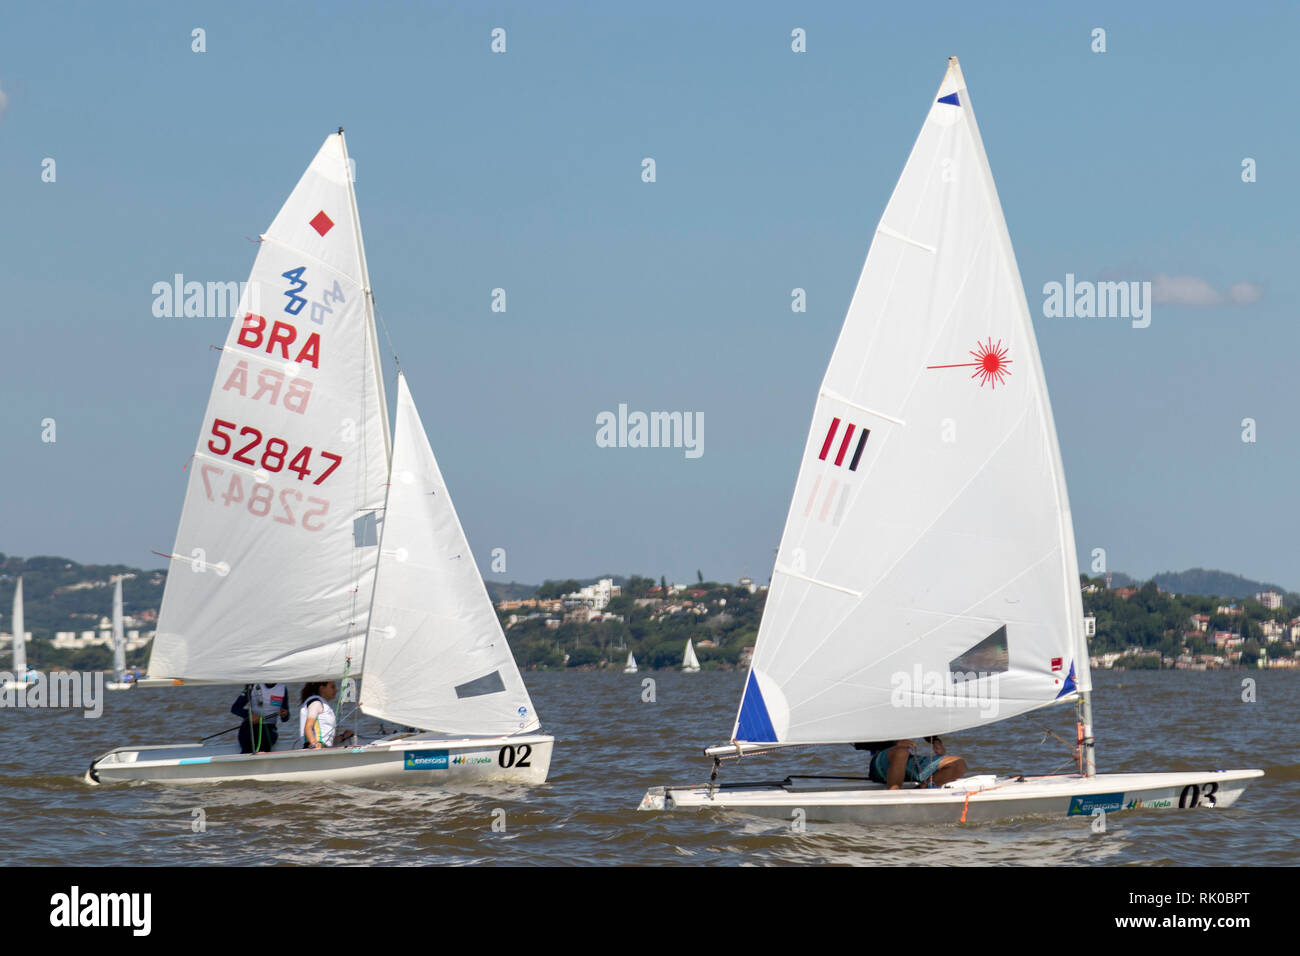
[{"x": 258, "y": 705}]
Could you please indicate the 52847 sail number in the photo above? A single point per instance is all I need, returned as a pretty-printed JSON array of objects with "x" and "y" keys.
[{"x": 273, "y": 454}]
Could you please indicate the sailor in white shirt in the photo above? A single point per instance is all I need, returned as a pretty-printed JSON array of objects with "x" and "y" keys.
[{"x": 316, "y": 721}]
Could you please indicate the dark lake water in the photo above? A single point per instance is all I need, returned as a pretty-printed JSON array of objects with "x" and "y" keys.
[{"x": 611, "y": 746}]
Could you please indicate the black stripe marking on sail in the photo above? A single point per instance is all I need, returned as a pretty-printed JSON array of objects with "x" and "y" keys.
[{"x": 857, "y": 452}]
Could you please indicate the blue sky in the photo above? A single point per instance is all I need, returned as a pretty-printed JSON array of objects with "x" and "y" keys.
[{"x": 523, "y": 171}]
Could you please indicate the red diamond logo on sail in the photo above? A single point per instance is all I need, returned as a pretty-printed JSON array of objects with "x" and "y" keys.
[
  {"x": 1056, "y": 663},
  {"x": 322, "y": 223}
]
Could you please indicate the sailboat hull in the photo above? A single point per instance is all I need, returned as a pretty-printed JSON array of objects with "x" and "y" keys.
[
  {"x": 409, "y": 758},
  {"x": 971, "y": 800}
]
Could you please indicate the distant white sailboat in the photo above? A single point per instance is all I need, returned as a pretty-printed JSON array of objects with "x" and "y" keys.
[
  {"x": 631, "y": 664},
  {"x": 927, "y": 583},
  {"x": 20, "y": 643},
  {"x": 690, "y": 663},
  {"x": 306, "y": 548},
  {"x": 119, "y": 681}
]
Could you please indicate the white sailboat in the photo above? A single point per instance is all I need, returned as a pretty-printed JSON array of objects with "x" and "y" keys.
[
  {"x": 308, "y": 551},
  {"x": 926, "y": 580},
  {"x": 631, "y": 664},
  {"x": 119, "y": 681},
  {"x": 19, "y": 665},
  {"x": 690, "y": 663}
]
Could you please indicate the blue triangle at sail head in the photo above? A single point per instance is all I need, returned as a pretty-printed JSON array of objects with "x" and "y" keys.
[
  {"x": 754, "y": 726},
  {"x": 950, "y": 99},
  {"x": 1069, "y": 683}
]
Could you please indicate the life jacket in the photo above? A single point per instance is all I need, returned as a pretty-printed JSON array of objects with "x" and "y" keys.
[
  {"x": 324, "y": 722},
  {"x": 265, "y": 700}
]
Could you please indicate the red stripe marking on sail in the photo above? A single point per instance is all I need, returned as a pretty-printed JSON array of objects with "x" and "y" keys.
[
  {"x": 812, "y": 497},
  {"x": 830, "y": 437},
  {"x": 844, "y": 445},
  {"x": 830, "y": 496}
]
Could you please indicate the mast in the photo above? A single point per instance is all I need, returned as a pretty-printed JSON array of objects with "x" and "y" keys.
[
  {"x": 1073, "y": 600},
  {"x": 372, "y": 338},
  {"x": 370, "y": 302}
]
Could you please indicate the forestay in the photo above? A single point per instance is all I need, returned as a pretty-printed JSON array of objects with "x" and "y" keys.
[
  {"x": 436, "y": 657},
  {"x": 275, "y": 554},
  {"x": 926, "y": 580}
]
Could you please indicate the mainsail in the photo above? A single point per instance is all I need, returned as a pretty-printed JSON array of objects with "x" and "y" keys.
[
  {"x": 689, "y": 661},
  {"x": 20, "y": 641},
  {"x": 119, "y": 636},
  {"x": 926, "y": 580},
  {"x": 436, "y": 657},
  {"x": 274, "y": 559}
]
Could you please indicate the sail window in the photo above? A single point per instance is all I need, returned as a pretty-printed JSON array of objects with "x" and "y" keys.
[
  {"x": 365, "y": 530},
  {"x": 488, "y": 684},
  {"x": 989, "y": 656}
]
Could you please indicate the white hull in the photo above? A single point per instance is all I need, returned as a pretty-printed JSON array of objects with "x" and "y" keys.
[
  {"x": 971, "y": 800},
  {"x": 406, "y": 758},
  {"x": 118, "y": 685},
  {"x": 629, "y": 670},
  {"x": 16, "y": 685}
]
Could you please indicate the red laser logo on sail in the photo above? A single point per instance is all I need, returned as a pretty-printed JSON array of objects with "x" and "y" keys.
[{"x": 990, "y": 364}]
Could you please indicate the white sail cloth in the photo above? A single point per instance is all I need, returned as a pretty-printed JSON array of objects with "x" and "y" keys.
[
  {"x": 275, "y": 553},
  {"x": 119, "y": 636},
  {"x": 926, "y": 579},
  {"x": 20, "y": 641},
  {"x": 436, "y": 657}
]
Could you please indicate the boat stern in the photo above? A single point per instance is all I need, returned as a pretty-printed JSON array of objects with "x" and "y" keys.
[{"x": 655, "y": 799}]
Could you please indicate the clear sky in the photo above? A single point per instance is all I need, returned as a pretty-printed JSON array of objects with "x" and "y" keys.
[{"x": 479, "y": 170}]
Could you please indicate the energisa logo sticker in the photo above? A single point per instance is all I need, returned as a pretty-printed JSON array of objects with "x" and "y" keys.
[
  {"x": 1083, "y": 806},
  {"x": 425, "y": 760}
]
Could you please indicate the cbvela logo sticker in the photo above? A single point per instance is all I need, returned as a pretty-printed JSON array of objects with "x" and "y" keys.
[
  {"x": 1149, "y": 804},
  {"x": 471, "y": 759},
  {"x": 1083, "y": 806},
  {"x": 425, "y": 760}
]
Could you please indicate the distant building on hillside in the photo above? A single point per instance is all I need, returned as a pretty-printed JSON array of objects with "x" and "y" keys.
[
  {"x": 594, "y": 596},
  {"x": 1270, "y": 599}
]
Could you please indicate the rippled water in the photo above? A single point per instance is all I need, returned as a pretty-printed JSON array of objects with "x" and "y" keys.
[{"x": 610, "y": 746}]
